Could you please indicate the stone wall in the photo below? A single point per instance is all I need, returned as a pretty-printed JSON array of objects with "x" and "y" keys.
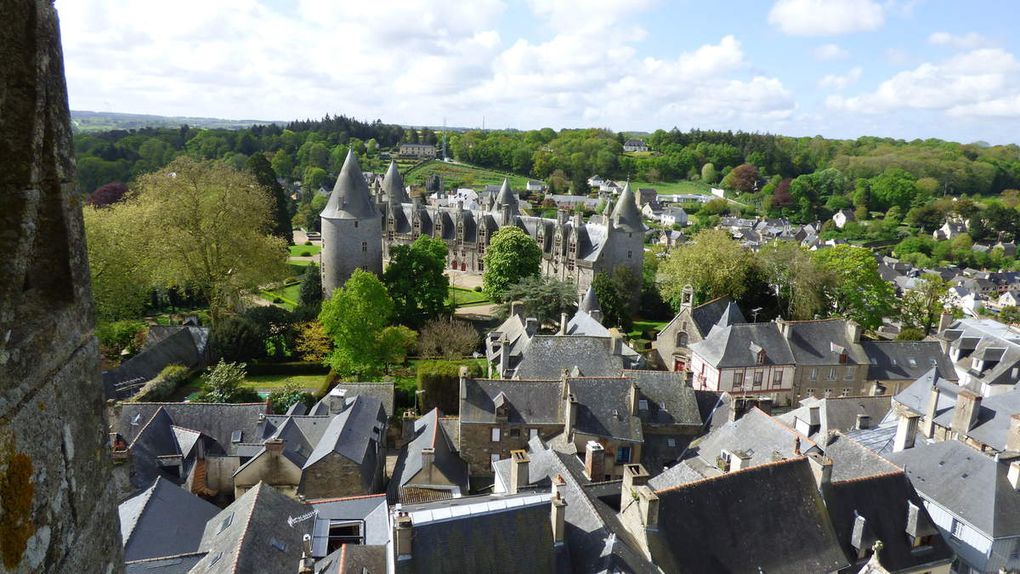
[
  {"x": 57, "y": 509},
  {"x": 477, "y": 447},
  {"x": 336, "y": 476}
]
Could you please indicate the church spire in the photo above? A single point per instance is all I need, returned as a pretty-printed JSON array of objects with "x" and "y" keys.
[
  {"x": 393, "y": 186},
  {"x": 351, "y": 198},
  {"x": 506, "y": 198}
]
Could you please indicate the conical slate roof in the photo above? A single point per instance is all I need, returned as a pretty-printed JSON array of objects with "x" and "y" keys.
[
  {"x": 731, "y": 315},
  {"x": 626, "y": 215},
  {"x": 351, "y": 198},
  {"x": 393, "y": 186},
  {"x": 506, "y": 196},
  {"x": 590, "y": 302}
]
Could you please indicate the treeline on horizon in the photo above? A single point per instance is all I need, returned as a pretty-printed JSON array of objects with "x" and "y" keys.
[{"x": 803, "y": 178}]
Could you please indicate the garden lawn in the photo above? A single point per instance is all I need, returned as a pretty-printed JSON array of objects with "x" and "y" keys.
[
  {"x": 460, "y": 175},
  {"x": 304, "y": 250},
  {"x": 682, "y": 186},
  {"x": 460, "y": 297},
  {"x": 290, "y": 295},
  {"x": 268, "y": 383}
]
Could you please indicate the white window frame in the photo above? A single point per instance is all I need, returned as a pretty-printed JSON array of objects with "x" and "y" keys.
[
  {"x": 532, "y": 433},
  {"x": 494, "y": 434}
]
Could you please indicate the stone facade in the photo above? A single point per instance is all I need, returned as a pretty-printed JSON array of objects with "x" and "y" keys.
[
  {"x": 58, "y": 512},
  {"x": 478, "y": 449},
  {"x": 337, "y": 476},
  {"x": 351, "y": 229}
]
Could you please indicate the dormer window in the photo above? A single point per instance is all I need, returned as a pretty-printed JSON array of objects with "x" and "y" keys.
[{"x": 760, "y": 357}]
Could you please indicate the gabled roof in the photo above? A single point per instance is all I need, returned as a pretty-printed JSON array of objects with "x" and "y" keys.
[
  {"x": 821, "y": 343},
  {"x": 163, "y": 520},
  {"x": 171, "y": 345},
  {"x": 879, "y": 507},
  {"x": 967, "y": 483},
  {"x": 371, "y": 510},
  {"x": 353, "y": 434},
  {"x": 252, "y": 534},
  {"x": 730, "y": 346},
  {"x": 531, "y": 402},
  {"x": 603, "y": 408},
  {"x": 839, "y": 413},
  {"x": 216, "y": 420},
  {"x": 906, "y": 360},
  {"x": 548, "y": 355},
  {"x": 918, "y": 394},
  {"x": 993, "y": 420},
  {"x": 708, "y": 315},
  {"x": 379, "y": 390},
  {"x": 355, "y": 558},
  {"x": 626, "y": 215},
  {"x": 351, "y": 198},
  {"x": 772, "y": 513},
  {"x": 393, "y": 186},
  {"x": 428, "y": 433},
  {"x": 664, "y": 398},
  {"x": 510, "y": 533}
]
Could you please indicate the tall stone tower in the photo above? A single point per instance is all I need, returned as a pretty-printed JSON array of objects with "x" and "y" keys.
[
  {"x": 626, "y": 236},
  {"x": 57, "y": 508},
  {"x": 351, "y": 229}
]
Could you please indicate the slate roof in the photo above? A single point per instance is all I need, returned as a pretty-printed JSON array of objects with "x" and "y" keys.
[
  {"x": 730, "y": 346},
  {"x": 428, "y": 433},
  {"x": 355, "y": 558},
  {"x": 851, "y": 460},
  {"x": 531, "y": 402},
  {"x": 371, "y": 510},
  {"x": 356, "y": 434},
  {"x": 905, "y": 360},
  {"x": 838, "y": 413},
  {"x": 965, "y": 482},
  {"x": 882, "y": 502},
  {"x": 992, "y": 425},
  {"x": 918, "y": 394},
  {"x": 772, "y": 513},
  {"x": 216, "y": 420},
  {"x": 590, "y": 302},
  {"x": 669, "y": 400},
  {"x": 709, "y": 314},
  {"x": 626, "y": 214},
  {"x": 547, "y": 356},
  {"x": 351, "y": 198},
  {"x": 978, "y": 336},
  {"x": 393, "y": 186},
  {"x": 492, "y": 533},
  {"x": 821, "y": 342},
  {"x": 379, "y": 390},
  {"x": 180, "y": 564},
  {"x": 252, "y": 535},
  {"x": 163, "y": 520},
  {"x": 183, "y": 345},
  {"x": 603, "y": 408}
]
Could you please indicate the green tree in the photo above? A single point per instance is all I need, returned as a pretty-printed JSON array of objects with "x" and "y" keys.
[
  {"x": 357, "y": 319},
  {"x": 615, "y": 292},
  {"x": 280, "y": 400},
  {"x": 120, "y": 279},
  {"x": 312, "y": 178},
  {"x": 712, "y": 262},
  {"x": 266, "y": 177},
  {"x": 208, "y": 226},
  {"x": 1010, "y": 315},
  {"x": 222, "y": 384},
  {"x": 708, "y": 173},
  {"x": 283, "y": 164},
  {"x": 310, "y": 294},
  {"x": 416, "y": 281},
  {"x": 921, "y": 307},
  {"x": 893, "y": 187},
  {"x": 544, "y": 298},
  {"x": 236, "y": 339},
  {"x": 798, "y": 280},
  {"x": 512, "y": 256},
  {"x": 857, "y": 292}
]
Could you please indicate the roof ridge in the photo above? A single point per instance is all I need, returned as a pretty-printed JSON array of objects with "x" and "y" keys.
[
  {"x": 157, "y": 558},
  {"x": 247, "y": 523},
  {"x": 343, "y": 558},
  {"x": 870, "y": 477},
  {"x": 826, "y": 320},
  {"x": 730, "y": 473},
  {"x": 343, "y": 498},
  {"x": 782, "y": 425},
  {"x": 146, "y": 425},
  {"x": 196, "y": 404}
]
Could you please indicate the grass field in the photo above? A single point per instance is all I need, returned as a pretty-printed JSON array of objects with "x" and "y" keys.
[
  {"x": 459, "y": 175},
  {"x": 290, "y": 295},
  {"x": 460, "y": 297},
  {"x": 682, "y": 186},
  {"x": 302, "y": 250},
  {"x": 267, "y": 383}
]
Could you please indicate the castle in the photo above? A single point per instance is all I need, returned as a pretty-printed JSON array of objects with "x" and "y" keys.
[{"x": 359, "y": 227}]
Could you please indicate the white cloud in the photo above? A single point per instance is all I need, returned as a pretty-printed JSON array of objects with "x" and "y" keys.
[
  {"x": 976, "y": 83},
  {"x": 826, "y": 17},
  {"x": 827, "y": 52},
  {"x": 964, "y": 41},
  {"x": 840, "y": 82},
  {"x": 407, "y": 61}
]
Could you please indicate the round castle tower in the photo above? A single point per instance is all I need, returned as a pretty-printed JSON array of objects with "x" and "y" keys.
[{"x": 351, "y": 229}]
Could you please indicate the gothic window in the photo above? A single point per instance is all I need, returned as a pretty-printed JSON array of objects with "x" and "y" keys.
[
  {"x": 364, "y": 246},
  {"x": 681, "y": 339}
]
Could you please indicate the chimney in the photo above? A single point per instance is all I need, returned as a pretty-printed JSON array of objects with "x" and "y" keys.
[
  {"x": 1013, "y": 474},
  {"x": 648, "y": 504},
  {"x": 796, "y": 446},
  {"x": 634, "y": 475},
  {"x": 337, "y": 400},
  {"x": 784, "y": 328},
  {"x": 863, "y": 421},
  {"x": 740, "y": 460},
  {"x": 570, "y": 416},
  {"x": 906, "y": 432},
  {"x": 821, "y": 467},
  {"x": 853, "y": 331},
  {"x": 274, "y": 446},
  {"x": 617, "y": 342},
  {"x": 965, "y": 414},
  {"x": 516, "y": 308},
  {"x": 594, "y": 461},
  {"x": 1013, "y": 436},
  {"x": 518, "y": 470},
  {"x": 407, "y": 426},
  {"x": 558, "y": 485},
  {"x": 563, "y": 323},
  {"x": 402, "y": 531},
  {"x": 928, "y": 429},
  {"x": 734, "y": 412},
  {"x": 531, "y": 326},
  {"x": 504, "y": 356},
  {"x": 464, "y": 376},
  {"x": 945, "y": 320},
  {"x": 558, "y": 518},
  {"x": 428, "y": 459},
  {"x": 596, "y": 314},
  {"x": 307, "y": 563},
  {"x": 635, "y": 392}
]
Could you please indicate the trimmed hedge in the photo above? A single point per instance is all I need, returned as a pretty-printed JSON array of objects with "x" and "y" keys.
[
  {"x": 441, "y": 382},
  {"x": 162, "y": 387}
]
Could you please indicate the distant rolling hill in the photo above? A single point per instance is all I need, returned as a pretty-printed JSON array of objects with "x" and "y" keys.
[{"x": 105, "y": 121}]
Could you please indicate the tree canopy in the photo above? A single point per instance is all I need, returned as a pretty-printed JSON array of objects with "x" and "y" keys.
[
  {"x": 712, "y": 262},
  {"x": 858, "y": 292},
  {"x": 512, "y": 256},
  {"x": 416, "y": 281}
]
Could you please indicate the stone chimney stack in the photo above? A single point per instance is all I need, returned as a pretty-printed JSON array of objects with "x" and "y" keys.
[
  {"x": 428, "y": 460},
  {"x": 307, "y": 563},
  {"x": 402, "y": 531},
  {"x": 906, "y": 431},
  {"x": 519, "y": 463},
  {"x": 531, "y": 326},
  {"x": 1013, "y": 436},
  {"x": 634, "y": 397},
  {"x": 274, "y": 446},
  {"x": 965, "y": 414},
  {"x": 594, "y": 461},
  {"x": 945, "y": 320},
  {"x": 863, "y": 421},
  {"x": 1013, "y": 474},
  {"x": 784, "y": 328},
  {"x": 634, "y": 475},
  {"x": 853, "y": 331},
  {"x": 821, "y": 466},
  {"x": 648, "y": 504},
  {"x": 596, "y": 314},
  {"x": 504, "y": 356},
  {"x": 740, "y": 460},
  {"x": 558, "y": 518},
  {"x": 558, "y": 485},
  {"x": 928, "y": 428},
  {"x": 564, "y": 319},
  {"x": 570, "y": 417},
  {"x": 516, "y": 307},
  {"x": 407, "y": 426}
]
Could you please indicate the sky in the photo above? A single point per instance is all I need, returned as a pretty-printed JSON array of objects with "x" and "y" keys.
[{"x": 838, "y": 68}]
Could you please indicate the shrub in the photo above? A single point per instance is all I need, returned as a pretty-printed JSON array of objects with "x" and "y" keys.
[
  {"x": 236, "y": 339},
  {"x": 306, "y": 253},
  {"x": 312, "y": 342},
  {"x": 478, "y": 289},
  {"x": 910, "y": 334},
  {"x": 116, "y": 336},
  {"x": 447, "y": 337},
  {"x": 308, "y": 242},
  {"x": 277, "y": 300},
  {"x": 164, "y": 384},
  {"x": 441, "y": 382},
  {"x": 281, "y": 399},
  {"x": 222, "y": 384}
]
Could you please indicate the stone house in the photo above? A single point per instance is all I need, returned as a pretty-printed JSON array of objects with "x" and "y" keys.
[
  {"x": 428, "y": 467},
  {"x": 749, "y": 360},
  {"x": 692, "y": 324},
  {"x": 422, "y": 151},
  {"x": 842, "y": 217},
  {"x": 828, "y": 357},
  {"x": 671, "y": 216},
  {"x": 634, "y": 145}
]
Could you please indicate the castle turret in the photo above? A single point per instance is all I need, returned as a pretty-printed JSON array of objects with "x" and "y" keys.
[
  {"x": 506, "y": 203},
  {"x": 393, "y": 186},
  {"x": 351, "y": 229},
  {"x": 626, "y": 215}
]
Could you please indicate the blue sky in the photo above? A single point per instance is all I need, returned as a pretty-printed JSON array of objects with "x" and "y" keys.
[{"x": 838, "y": 68}]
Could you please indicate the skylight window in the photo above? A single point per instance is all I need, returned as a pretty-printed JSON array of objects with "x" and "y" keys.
[
  {"x": 643, "y": 404},
  {"x": 235, "y": 437},
  {"x": 278, "y": 544},
  {"x": 226, "y": 523}
]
